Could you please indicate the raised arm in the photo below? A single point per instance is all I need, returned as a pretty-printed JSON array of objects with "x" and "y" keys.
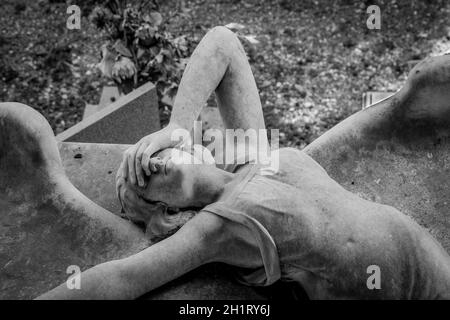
[
  {"x": 218, "y": 63},
  {"x": 195, "y": 244}
]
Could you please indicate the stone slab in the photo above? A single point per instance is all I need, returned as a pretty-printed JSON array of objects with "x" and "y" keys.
[
  {"x": 92, "y": 169},
  {"x": 125, "y": 121}
]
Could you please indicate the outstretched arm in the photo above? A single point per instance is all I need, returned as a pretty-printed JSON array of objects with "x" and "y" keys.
[{"x": 195, "y": 244}]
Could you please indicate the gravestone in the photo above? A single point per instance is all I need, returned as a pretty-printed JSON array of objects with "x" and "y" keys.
[{"x": 127, "y": 120}]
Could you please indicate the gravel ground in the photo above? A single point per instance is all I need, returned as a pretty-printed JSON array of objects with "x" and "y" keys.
[{"x": 313, "y": 62}]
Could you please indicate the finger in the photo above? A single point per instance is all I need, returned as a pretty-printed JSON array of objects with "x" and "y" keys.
[
  {"x": 138, "y": 165},
  {"x": 119, "y": 188},
  {"x": 130, "y": 201},
  {"x": 122, "y": 192},
  {"x": 131, "y": 153},
  {"x": 123, "y": 165},
  {"x": 119, "y": 179},
  {"x": 121, "y": 175},
  {"x": 149, "y": 151},
  {"x": 119, "y": 171},
  {"x": 155, "y": 164}
]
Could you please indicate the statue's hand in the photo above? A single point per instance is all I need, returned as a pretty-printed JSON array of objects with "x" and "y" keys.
[{"x": 136, "y": 160}]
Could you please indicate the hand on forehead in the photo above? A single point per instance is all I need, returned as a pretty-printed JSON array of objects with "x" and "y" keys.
[{"x": 187, "y": 154}]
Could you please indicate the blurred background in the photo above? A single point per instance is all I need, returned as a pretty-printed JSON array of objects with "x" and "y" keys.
[{"x": 312, "y": 60}]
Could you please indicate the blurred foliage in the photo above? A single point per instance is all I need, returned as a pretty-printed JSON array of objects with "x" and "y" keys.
[
  {"x": 312, "y": 59},
  {"x": 139, "y": 47}
]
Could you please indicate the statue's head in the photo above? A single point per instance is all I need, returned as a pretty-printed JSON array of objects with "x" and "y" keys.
[
  {"x": 179, "y": 173},
  {"x": 172, "y": 189}
]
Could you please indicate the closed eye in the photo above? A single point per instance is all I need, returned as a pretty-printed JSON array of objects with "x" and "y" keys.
[{"x": 154, "y": 203}]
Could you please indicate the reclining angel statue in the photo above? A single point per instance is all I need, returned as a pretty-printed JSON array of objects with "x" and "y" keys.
[{"x": 296, "y": 224}]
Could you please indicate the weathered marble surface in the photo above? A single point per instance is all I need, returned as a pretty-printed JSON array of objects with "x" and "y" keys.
[
  {"x": 81, "y": 163},
  {"x": 395, "y": 152},
  {"x": 46, "y": 224}
]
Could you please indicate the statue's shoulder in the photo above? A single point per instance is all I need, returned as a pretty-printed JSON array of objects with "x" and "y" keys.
[{"x": 294, "y": 154}]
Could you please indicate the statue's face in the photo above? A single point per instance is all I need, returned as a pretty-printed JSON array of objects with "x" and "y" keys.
[{"x": 173, "y": 184}]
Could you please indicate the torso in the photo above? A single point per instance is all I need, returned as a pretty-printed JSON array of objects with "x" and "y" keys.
[{"x": 325, "y": 237}]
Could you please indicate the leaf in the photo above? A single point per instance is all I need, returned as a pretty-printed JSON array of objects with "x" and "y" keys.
[
  {"x": 166, "y": 53},
  {"x": 155, "y": 18},
  {"x": 167, "y": 99},
  {"x": 122, "y": 49},
  {"x": 235, "y": 26},
  {"x": 184, "y": 61},
  {"x": 123, "y": 69},
  {"x": 183, "y": 7},
  {"x": 108, "y": 58},
  {"x": 251, "y": 39},
  {"x": 159, "y": 58},
  {"x": 140, "y": 53}
]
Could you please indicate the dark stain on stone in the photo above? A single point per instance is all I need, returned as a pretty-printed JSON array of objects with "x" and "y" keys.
[
  {"x": 109, "y": 172},
  {"x": 36, "y": 158},
  {"x": 398, "y": 125}
]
